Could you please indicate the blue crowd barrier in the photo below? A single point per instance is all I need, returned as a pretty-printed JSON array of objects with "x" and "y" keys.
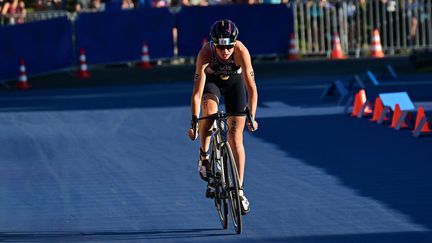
[
  {"x": 45, "y": 46},
  {"x": 264, "y": 29},
  {"x": 117, "y": 36}
]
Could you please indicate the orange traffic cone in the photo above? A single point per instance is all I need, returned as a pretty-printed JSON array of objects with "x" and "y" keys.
[
  {"x": 22, "y": 80},
  {"x": 83, "y": 70},
  {"x": 376, "y": 48},
  {"x": 292, "y": 49},
  {"x": 337, "y": 52},
  {"x": 145, "y": 58},
  {"x": 420, "y": 115},
  {"x": 356, "y": 106},
  {"x": 378, "y": 109},
  {"x": 397, "y": 113},
  {"x": 363, "y": 100}
]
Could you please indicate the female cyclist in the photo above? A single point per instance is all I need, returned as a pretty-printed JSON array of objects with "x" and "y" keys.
[{"x": 224, "y": 67}]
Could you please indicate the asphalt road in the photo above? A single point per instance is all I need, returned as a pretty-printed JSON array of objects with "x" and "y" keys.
[{"x": 114, "y": 164}]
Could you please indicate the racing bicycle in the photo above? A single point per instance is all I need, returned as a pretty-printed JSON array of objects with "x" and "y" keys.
[{"x": 223, "y": 185}]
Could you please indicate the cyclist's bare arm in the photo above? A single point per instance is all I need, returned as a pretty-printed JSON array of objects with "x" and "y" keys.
[
  {"x": 198, "y": 87},
  {"x": 243, "y": 59}
]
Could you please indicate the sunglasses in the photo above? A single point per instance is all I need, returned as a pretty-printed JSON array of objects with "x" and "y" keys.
[{"x": 223, "y": 47}]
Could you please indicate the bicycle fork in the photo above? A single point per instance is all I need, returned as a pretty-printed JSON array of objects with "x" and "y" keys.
[{"x": 215, "y": 180}]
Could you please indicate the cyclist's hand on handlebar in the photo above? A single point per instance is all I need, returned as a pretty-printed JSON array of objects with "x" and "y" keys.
[
  {"x": 193, "y": 135},
  {"x": 193, "y": 131},
  {"x": 252, "y": 125}
]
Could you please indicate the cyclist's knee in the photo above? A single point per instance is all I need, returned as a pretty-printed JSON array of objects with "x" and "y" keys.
[
  {"x": 235, "y": 134},
  {"x": 209, "y": 104},
  {"x": 208, "y": 132},
  {"x": 235, "y": 140}
]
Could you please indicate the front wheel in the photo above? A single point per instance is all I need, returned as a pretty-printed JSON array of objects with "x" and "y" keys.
[
  {"x": 220, "y": 195},
  {"x": 232, "y": 185}
]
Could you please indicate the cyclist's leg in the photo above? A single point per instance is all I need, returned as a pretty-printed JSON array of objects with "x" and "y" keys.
[
  {"x": 235, "y": 102},
  {"x": 209, "y": 106},
  {"x": 235, "y": 138}
]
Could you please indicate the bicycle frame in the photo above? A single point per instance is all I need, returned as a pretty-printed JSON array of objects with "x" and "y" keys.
[
  {"x": 224, "y": 184},
  {"x": 219, "y": 130}
]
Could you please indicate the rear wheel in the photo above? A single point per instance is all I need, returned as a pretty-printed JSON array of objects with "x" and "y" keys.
[{"x": 232, "y": 184}]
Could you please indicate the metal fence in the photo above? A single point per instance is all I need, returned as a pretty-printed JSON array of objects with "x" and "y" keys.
[{"x": 403, "y": 25}]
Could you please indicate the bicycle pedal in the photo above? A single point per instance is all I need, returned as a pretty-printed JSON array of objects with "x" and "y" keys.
[
  {"x": 211, "y": 184},
  {"x": 210, "y": 193}
]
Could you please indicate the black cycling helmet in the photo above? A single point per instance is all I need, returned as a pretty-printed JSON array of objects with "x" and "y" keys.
[{"x": 224, "y": 32}]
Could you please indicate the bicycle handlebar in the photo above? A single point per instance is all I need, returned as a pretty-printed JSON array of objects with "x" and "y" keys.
[
  {"x": 217, "y": 115},
  {"x": 223, "y": 115}
]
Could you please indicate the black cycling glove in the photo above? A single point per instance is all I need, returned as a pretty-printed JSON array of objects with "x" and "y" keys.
[{"x": 194, "y": 123}]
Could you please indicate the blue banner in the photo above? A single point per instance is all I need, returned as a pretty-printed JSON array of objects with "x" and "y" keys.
[
  {"x": 264, "y": 29},
  {"x": 44, "y": 46},
  {"x": 117, "y": 36}
]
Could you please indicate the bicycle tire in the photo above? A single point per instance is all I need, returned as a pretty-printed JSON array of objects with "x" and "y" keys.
[
  {"x": 220, "y": 198},
  {"x": 232, "y": 183}
]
